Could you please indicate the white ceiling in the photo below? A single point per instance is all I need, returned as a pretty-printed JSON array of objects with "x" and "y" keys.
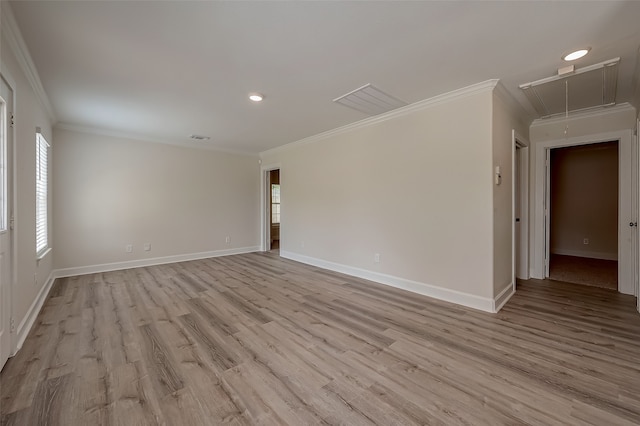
[{"x": 169, "y": 69}]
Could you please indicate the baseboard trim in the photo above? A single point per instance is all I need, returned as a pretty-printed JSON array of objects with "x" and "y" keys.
[
  {"x": 501, "y": 299},
  {"x": 440, "y": 293},
  {"x": 587, "y": 254},
  {"x": 117, "y": 266},
  {"x": 29, "y": 319}
]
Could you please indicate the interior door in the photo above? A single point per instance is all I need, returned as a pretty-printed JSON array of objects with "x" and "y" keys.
[
  {"x": 637, "y": 206},
  {"x": 628, "y": 217},
  {"x": 6, "y": 125},
  {"x": 635, "y": 200},
  {"x": 517, "y": 206}
]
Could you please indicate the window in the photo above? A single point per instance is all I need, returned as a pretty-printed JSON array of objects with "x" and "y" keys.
[
  {"x": 275, "y": 203},
  {"x": 42, "y": 228}
]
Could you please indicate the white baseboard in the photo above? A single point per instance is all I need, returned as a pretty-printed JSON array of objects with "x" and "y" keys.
[
  {"x": 117, "y": 266},
  {"x": 587, "y": 254},
  {"x": 24, "y": 327},
  {"x": 441, "y": 293},
  {"x": 501, "y": 299}
]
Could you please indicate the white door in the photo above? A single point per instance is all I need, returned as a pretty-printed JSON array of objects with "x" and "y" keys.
[
  {"x": 627, "y": 217},
  {"x": 516, "y": 212},
  {"x": 636, "y": 192},
  {"x": 520, "y": 207},
  {"x": 6, "y": 125}
]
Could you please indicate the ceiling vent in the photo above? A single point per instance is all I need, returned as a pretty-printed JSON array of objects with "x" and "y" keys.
[
  {"x": 200, "y": 137},
  {"x": 370, "y": 100},
  {"x": 570, "y": 91}
]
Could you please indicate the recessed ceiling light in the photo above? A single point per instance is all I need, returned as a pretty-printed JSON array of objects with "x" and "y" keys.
[
  {"x": 256, "y": 97},
  {"x": 576, "y": 55}
]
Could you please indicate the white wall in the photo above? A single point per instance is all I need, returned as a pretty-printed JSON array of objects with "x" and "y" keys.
[
  {"x": 30, "y": 275},
  {"x": 416, "y": 188},
  {"x": 110, "y": 192}
]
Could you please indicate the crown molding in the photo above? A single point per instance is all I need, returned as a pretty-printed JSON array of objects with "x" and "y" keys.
[
  {"x": 11, "y": 32},
  {"x": 464, "y": 92},
  {"x": 595, "y": 112},
  {"x": 515, "y": 106},
  {"x": 145, "y": 138}
]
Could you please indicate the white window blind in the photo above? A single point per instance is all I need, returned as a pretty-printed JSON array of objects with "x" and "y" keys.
[{"x": 42, "y": 228}]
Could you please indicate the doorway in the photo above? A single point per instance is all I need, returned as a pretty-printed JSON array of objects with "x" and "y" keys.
[
  {"x": 583, "y": 211},
  {"x": 627, "y": 212},
  {"x": 270, "y": 222},
  {"x": 274, "y": 210},
  {"x": 6, "y": 215}
]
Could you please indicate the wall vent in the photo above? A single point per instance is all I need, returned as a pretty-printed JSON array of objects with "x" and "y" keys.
[{"x": 369, "y": 100}]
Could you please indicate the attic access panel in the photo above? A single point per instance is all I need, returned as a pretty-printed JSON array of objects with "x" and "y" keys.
[{"x": 589, "y": 87}]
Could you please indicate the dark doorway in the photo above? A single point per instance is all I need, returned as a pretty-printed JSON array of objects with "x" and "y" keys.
[{"x": 584, "y": 214}]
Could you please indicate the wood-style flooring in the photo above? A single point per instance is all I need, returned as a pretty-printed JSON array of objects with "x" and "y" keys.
[{"x": 256, "y": 339}]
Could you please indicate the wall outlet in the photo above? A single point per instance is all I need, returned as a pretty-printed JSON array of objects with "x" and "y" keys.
[
  {"x": 302, "y": 244},
  {"x": 128, "y": 248},
  {"x": 585, "y": 241},
  {"x": 227, "y": 239},
  {"x": 376, "y": 257},
  {"x": 147, "y": 246}
]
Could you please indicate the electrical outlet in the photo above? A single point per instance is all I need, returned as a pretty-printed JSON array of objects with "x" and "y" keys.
[
  {"x": 302, "y": 244},
  {"x": 585, "y": 241},
  {"x": 376, "y": 257},
  {"x": 128, "y": 248},
  {"x": 227, "y": 239},
  {"x": 147, "y": 246}
]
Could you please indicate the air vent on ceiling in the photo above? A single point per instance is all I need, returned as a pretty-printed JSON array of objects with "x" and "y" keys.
[
  {"x": 370, "y": 100},
  {"x": 200, "y": 137},
  {"x": 585, "y": 88}
]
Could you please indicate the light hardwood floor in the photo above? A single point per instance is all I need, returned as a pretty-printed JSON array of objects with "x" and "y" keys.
[{"x": 256, "y": 339}]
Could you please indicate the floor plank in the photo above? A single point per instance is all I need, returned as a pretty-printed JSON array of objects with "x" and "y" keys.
[{"x": 257, "y": 339}]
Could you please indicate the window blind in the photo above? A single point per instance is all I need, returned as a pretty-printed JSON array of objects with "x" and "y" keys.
[
  {"x": 42, "y": 228},
  {"x": 275, "y": 203}
]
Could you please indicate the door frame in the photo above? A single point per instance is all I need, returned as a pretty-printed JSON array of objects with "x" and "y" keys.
[
  {"x": 522, "y": 168},
  {"x": 626, "y": 211},
  {"x": 12, "y": 217},
  {"x": 265, "y": 196}
]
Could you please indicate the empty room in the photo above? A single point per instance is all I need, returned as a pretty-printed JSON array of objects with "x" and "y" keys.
[{"x": 299, "y": 213}]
